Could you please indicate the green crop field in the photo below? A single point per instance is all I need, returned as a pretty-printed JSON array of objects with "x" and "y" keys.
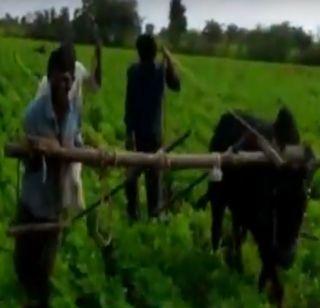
[{"x": 170, "y": 263}]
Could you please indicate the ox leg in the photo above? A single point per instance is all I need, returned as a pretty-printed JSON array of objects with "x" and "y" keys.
[
  {"x": 217, "y": 209},
  {"x": 237, "y": 244},
  {"x": 269, "y": 273},
  {"x": 277, "y": 288},
  {"x": 277, "y": 292},
  {"x": 262, "y": 279}
]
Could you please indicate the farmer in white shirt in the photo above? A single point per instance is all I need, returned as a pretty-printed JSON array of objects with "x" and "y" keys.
[
  {"x": 73, "y": 195},
  {"x": 91, "y": 80}
]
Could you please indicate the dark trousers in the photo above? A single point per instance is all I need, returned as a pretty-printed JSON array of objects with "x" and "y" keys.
[
  {"x": 34, "y": 257},
  {"x": 152, "y": 180}
]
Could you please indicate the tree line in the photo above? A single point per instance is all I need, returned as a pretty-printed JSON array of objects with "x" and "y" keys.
[{"x": 119, "y": 24}]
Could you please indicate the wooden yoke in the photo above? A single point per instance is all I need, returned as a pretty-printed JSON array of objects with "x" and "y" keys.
[
  {"x": 97, "y": 158},
  {"x": 294, "y": 156}
]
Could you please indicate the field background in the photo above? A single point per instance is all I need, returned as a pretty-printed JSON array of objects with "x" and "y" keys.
[{"x": 166, "y": 264}]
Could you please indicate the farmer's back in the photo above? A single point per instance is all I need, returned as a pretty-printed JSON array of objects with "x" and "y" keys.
[
  {"x": 143, "y": 117},
  {"x": 146, "y": 83}
]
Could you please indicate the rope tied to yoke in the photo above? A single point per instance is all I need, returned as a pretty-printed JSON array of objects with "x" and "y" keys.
[
  {"x": 164, "y": 160},
  {"x": 103, "y": 157},
  {"x": 216, "y": 174}
]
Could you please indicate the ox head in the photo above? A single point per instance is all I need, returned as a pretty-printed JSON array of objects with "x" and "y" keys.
[{"x": 290, "y": 191}]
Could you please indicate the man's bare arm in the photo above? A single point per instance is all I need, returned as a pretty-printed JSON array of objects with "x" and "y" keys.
[
  {"x": 171, "y": 75},
  {"x": 94, "y": 80}
]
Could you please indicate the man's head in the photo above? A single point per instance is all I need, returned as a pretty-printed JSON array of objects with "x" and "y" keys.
[
  {"x": 60, "y": 72},
  {"x": 147, "y": 47}
]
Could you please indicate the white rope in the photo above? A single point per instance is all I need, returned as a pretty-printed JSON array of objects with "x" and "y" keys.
[
  {"x": 216, "y": 174},
  {"x": 164, "y": 161}
]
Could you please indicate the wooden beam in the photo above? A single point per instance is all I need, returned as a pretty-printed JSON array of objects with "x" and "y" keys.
[{"x": 98, "y": 158}]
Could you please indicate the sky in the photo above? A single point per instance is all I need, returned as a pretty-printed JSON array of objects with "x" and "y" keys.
[{"x": 244, "y": 13}]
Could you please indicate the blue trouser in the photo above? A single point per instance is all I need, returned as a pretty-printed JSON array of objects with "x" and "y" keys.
[{"x": 34, "y": 257}]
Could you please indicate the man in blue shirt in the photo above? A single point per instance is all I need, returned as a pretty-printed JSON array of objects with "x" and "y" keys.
[
  {"x": 52, "y": 116},
  {"x": 143, "y": 116}
]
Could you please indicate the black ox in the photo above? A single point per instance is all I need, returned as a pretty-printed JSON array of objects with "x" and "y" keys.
[{"x": 267, "y": 201}]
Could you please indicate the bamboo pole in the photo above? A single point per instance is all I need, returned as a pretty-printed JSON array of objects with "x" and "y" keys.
[{"x": 98, "y": 158}]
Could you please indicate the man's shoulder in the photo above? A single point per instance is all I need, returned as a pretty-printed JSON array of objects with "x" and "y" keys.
[
  {"x": 79, "y": 65},
  {"x": 160, "y": 69},
  {"x": 133, "y": 67},
  {"x": 159, "y": 66}
]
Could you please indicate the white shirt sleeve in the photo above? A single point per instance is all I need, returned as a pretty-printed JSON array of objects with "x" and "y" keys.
[
  {"x": 81, "y": 73},
  {"x": 42, "y": 87}
]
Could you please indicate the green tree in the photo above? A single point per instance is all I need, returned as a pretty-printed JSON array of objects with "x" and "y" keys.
[
  {"x": 192, "y": 42},
  {"x": 302, "y": 40},
  {"x": 39, "y": 25},
  {"x": 118, "y": 20},
  {"x": 232, "y": 33},
  {"x": 63, "y": 27},
  {"x": 271, "y": 44},
  {"x": 212, "y": 32},
  {"x": 81, "y": 26},
  {"x": 177, "y": 22}
]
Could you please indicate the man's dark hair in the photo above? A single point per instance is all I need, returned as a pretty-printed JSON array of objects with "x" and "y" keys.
[
  {"x": 62, "y": 59},
  {"x": 147, "y": 47}
]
